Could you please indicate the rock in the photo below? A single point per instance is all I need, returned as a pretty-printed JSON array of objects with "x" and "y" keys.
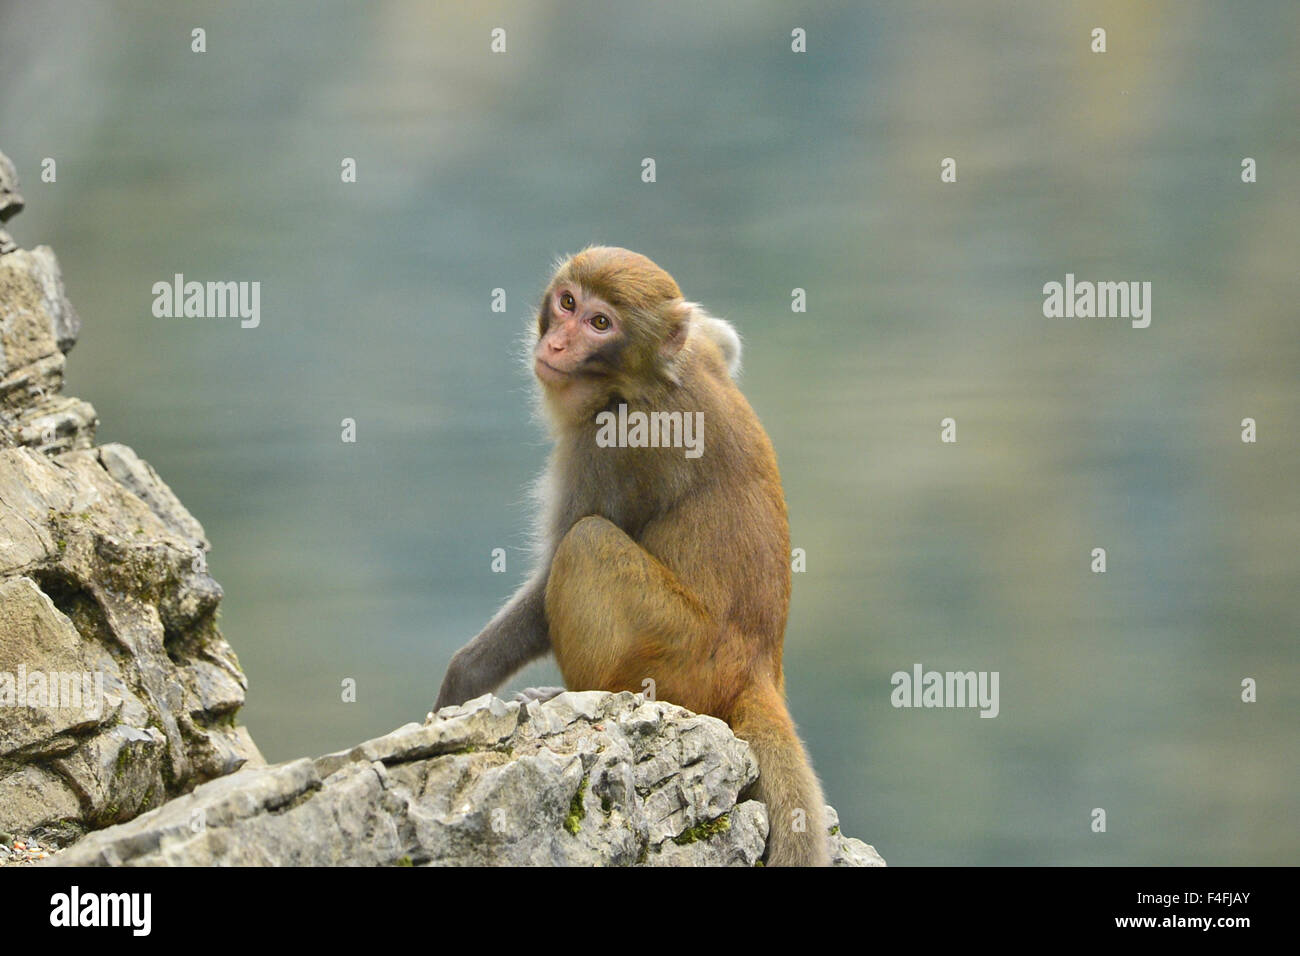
[
  {"x": 37, "y": 327},
  {"x": 11, "y": 203},
  {"x": 585, "y": 779},
  {"x": 846, "y": 851},
  {"x": 117, "y": 690},
  {"x": 129, "y": 470},
  {"x": 32, "y": 793}
]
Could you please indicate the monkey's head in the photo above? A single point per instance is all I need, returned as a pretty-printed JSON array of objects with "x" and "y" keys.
[{"x": 611, "y": 323}]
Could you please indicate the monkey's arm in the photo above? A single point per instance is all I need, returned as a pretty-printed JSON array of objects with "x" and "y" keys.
[{"x": 514, "y": 637}]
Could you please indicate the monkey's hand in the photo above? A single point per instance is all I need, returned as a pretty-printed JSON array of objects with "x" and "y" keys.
[
  {"x": 539, "y": 694},
  {"x": 514, "y": 637}
]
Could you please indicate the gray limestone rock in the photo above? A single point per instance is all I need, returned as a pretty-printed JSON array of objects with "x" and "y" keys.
[
  {"x": 117, "y": 691},
  {"x": 585, "y": 779}
]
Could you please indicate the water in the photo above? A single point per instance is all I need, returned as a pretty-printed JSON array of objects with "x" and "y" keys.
[{"x": 775, "y": 171}]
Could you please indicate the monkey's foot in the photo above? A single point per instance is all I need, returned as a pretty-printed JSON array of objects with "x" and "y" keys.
[{"x": 539, "y": 694}]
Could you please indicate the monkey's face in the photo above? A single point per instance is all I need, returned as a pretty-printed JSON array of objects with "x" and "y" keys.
[
  {"x": 581, "y": 339},
  {"x": 610, "y": 325}
]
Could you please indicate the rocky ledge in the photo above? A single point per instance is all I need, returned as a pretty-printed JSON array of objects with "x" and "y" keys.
[{"x": 585, "y": 779}]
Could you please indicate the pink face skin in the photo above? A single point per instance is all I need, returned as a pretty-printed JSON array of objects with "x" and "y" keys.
[{"x": 580, "y": 325}]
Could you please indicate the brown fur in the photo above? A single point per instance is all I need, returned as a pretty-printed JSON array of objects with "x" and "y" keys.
[{"x": 654, "y": 565}]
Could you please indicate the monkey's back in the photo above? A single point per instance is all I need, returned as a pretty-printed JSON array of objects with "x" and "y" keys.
[{"x": 734, "y": 554}]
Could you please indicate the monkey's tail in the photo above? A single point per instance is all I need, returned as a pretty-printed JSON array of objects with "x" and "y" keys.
[{"x": 796, "y": 810}]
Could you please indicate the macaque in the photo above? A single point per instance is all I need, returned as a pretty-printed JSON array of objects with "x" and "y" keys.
[{"x": 653, "y": 564}]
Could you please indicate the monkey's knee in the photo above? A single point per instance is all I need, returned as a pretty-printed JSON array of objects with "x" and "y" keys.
[
  {"x": 581, "y": 589},
  {"x": 583, "y": 554},
  {"x": 588, "y": 540}
]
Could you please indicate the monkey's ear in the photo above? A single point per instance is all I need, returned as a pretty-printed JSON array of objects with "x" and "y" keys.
[
  {"x": 724, "y": 336},
  {"x": 679, "y": 325}
]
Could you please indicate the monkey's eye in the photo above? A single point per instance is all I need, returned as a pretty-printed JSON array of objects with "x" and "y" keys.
[
  {"x": 567, "y": 303},
  {"x": 600, "y": 323}
]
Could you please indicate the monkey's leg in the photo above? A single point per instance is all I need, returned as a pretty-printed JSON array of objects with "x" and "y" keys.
[
  {"x": 618, "y": 616},
  {"x": 514, "y": 637}
]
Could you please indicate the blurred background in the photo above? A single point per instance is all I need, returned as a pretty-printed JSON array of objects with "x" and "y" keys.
[{"x": 775, "y": 171}]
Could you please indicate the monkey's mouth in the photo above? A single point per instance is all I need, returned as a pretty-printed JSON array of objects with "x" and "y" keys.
[{"x": 549, "y": 373}]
